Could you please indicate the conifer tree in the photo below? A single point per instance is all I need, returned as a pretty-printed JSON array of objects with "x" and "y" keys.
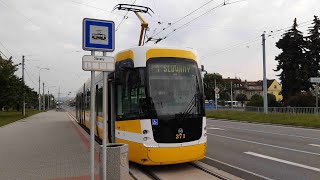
[
  {"x": 292, "y": 62},
  {"x": 313, "y": 46}
]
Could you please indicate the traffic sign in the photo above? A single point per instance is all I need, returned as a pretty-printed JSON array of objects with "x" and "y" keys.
[
  {"x": 315, "y": 80},
  {"x": 217, "y": 90},
  {"x": 98, "y": 63},
  {"x": 98, "y": 35}
]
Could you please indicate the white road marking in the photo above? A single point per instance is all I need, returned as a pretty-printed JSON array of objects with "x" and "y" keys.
[
  {"x": 317, "y": 145},
  {"x": 253, "y": 142},
  {"x": 235, "y": 167},
  {"x": 216, "y": 128},
  {"x": 276, "y": 125},
  {"x": 283, "y": 161},
  {"x": 305, "y": 137}
]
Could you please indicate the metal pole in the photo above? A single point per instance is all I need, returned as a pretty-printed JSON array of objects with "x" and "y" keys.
[
  {"x": 104, "y": 134},
  {"x": 265, "y": 96},
  {"x": 317, "y": 98},
  {"x": 59, "y": 98},
  {"x": 23, "y": 93},
  {"x": 92, "y": 122},
  {"x": 43, "y": 98},
  {"x": 215, "y": 94},
  {"x": 48, "y": 100},
  {"x": 39, "y": 93},
  {"x": 231, "y": 95}
]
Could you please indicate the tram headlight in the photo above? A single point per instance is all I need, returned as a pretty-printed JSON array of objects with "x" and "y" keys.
[
  {"x": 145, "y": 138},
  {"x": 145, "y": 131},
  {"x": 205, "y": 128}
]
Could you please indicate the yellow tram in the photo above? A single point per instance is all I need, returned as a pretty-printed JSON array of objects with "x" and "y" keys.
[{"x": 156, "y": 105}]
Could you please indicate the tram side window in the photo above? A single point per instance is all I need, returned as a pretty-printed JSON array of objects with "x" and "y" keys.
[{"x": 131, "y": 95}]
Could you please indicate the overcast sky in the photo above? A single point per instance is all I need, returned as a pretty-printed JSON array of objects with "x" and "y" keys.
[{"x": 227, "y": 39}]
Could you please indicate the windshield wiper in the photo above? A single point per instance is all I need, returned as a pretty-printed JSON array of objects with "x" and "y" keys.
[{"x": 191, "y": 105}]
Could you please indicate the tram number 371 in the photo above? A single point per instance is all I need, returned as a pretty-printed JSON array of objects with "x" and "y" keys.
[{"x": 180, "y": 136}]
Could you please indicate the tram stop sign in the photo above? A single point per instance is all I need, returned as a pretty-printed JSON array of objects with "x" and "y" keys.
[
  {"x": 98, "y": 63},
  {"x": 98, "y": 35}
]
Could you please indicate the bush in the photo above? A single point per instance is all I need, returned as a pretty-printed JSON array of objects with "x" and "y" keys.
[{"x": 301, "y": 100}]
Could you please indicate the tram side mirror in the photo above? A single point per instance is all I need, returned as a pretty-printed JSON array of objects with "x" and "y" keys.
[{"x": 203, "y": 70}]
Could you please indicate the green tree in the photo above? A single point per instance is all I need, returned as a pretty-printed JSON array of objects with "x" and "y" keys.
[
  {"x": 209, "y": 84},
  {"x": 292, "y": 62},
  {"x": 313, "y": 45},
  {"x": 256, "y": 100},
  {"x": 242, "y": 98},
  {"x": 12, "y": 87},
  {"x": 301, "y": 100}
]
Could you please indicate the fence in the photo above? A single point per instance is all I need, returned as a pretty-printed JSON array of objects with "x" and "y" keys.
[{"x": 294, "y": 110}]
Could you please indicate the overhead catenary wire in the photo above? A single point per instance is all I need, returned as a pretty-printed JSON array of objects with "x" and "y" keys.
[
  {"x": 206, "y": 12},
  {"x": 171, "y": 24},
  {"x": 18, "y": 12},
  {"x": 124, "y": 17},
  {"x": 30, "y": 78},
  {"x": 272, "y": 33}
]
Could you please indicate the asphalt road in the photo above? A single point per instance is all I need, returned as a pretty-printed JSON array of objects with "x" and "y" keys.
[{"x": 256, "y": 151}]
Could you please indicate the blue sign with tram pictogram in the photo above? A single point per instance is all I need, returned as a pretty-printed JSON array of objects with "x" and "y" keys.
[
  {"x": 154, "y": 122},
  {"x": 98, "y": 35}
]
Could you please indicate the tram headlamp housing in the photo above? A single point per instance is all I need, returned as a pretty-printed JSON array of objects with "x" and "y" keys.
[
  {"x": 145, "y": 138},
  {"x": 145, "y": 131}
]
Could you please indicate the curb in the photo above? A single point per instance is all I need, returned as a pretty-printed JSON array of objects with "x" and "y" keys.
[
  {"x": 20, "y": 120},
  {"x": 281, "y": 125}
]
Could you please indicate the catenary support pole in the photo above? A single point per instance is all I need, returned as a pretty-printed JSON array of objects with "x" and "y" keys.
[
  {"x": 265, "y": 96},
  {"x": 231, "y": 95},
  {"x": 215, "y": 94},
  {"x": 317, "y": 90},
  {"x": 105, "y": 120},
  {"x": 23, "y": 90},
  {"x": 92, "y": 121},
  {"x": 39, "y": 98},
  {"x": 43, "y": 97},
  {"x": 48, "y": 100}
]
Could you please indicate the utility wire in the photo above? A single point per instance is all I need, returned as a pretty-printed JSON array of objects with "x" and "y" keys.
[
  {"x": 30, "y": 77},
  {"x": 3, "y": 54},
  {"x": 272, "y": 33},
  {"x": 19, "y": 12},
  {"x": 124, "y": 18},
  {"x": 6, "y": 48},
  {"x": 187, "y": 23},
  {"x": 184, "y": 17}
]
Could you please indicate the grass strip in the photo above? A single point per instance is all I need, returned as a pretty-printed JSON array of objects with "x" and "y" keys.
[
  {"x": 306, "y": 120},
  {"x": 12, "y": 116}
]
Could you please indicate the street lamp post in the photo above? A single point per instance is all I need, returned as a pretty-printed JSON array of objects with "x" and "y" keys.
[
  {"x": 39, "y": 88},
  {"x": 49, "y": 96}
]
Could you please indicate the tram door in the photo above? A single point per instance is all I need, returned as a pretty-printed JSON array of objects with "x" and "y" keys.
[{"x": 111, "y": 108}]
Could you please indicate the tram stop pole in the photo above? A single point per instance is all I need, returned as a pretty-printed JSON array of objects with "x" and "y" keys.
[
  {"x": 105, "y": 113},
  {"x": 92, "y": 121}
]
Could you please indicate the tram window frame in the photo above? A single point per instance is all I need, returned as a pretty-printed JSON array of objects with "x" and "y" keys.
[{"x": 131, "y": 93}]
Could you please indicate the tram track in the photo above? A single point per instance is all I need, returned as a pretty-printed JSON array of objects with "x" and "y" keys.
[{"x": 191, "y": 170}]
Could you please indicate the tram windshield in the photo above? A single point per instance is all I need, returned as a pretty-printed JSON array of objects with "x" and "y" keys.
[{"x": 174, "y": 87}]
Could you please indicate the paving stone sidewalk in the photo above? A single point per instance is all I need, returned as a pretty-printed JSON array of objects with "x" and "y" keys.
[{"x": 44, "y": 146}]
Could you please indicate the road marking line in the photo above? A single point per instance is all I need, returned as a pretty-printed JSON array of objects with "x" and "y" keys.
[
  {"x": 235, "y": 167},
  {"x": 268, "y": 132},
  {"x": 253, "y": 142},
  {"x": 216, "y": 128},
  {"x": 317, "y": 145},
  {"x": 283, "y": 161},
  {"x": 272, "y": 125}
]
